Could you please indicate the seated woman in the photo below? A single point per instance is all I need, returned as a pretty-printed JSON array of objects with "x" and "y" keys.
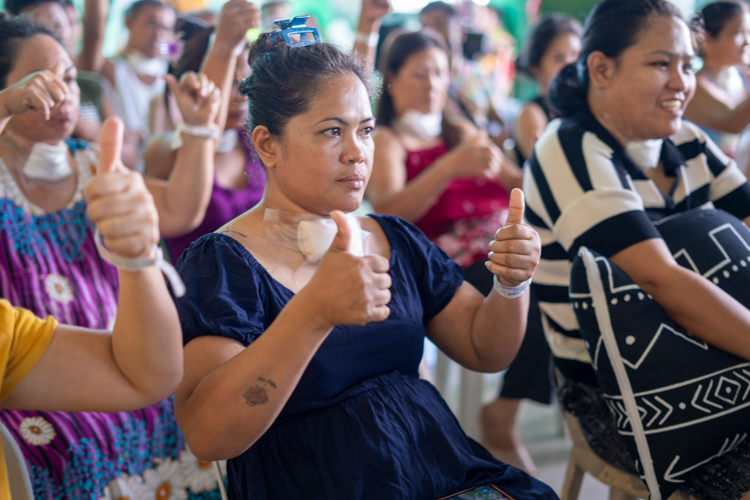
[
  {"x": 305, "y": 374},
  {"x": 622, "y": 157},
  {"x": 553, "y": 43},
  {"x": 443, "y": 175},
  {"x": 722, "y": 96},
  {"x": 45, "y": 365},
  {"x": 50, "y": 264},
  {"x": 238, "y": 175}
]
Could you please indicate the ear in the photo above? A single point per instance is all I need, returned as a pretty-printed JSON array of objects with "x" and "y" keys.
[
  {"x": 601, "y": 69},
  {"x": 266, "y": 145},
  {"x": 129, "y": 22}
]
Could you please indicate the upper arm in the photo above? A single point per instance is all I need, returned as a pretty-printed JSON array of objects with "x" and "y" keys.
[
  {"x": 388, "y": 169},
  {"x": 449, "y": 328},
  {"x": 530, "y": 125},
  {"x": 77, "y": 372}
]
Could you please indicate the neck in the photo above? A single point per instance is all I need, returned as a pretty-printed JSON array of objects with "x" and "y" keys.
[
  {"x": 15, "y": 149},
  {"x": 274, "y": 199},
  {"x": 599, "y": 111}
]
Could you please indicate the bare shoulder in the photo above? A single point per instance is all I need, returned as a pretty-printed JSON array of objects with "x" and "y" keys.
[
  {"x": 531, "y": 112},
  {"x": 377, "y": 242}
]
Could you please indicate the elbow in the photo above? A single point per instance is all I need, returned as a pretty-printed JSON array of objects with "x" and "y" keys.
[
  {"x": 210, "y": 442},
  {"x": 174, "y": 225}
]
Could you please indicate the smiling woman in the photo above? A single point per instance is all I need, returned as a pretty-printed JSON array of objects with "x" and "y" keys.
[{"x": 621, "y": 158}]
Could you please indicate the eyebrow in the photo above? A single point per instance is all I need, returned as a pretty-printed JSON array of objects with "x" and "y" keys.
[
  {"x": 672, "y": 55},
  {"x": 341, "y": 120}
]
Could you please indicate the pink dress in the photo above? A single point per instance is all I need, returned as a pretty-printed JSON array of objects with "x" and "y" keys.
[{"x": 466, "y": 216}]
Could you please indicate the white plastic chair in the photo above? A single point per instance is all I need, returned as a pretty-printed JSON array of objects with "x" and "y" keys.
[{"x": 18, "y": 473}]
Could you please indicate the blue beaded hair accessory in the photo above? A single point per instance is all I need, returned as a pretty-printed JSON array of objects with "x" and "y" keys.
[{"x": 295, "y": 32}]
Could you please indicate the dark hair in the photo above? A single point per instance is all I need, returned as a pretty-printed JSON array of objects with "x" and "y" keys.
[
  {"x": 549, "y": 27},
  {"x": 137, "y": 6},
  {"x": 14, "y": 31},
  {"x": 285, "y": 80},
  {"x": 611, "y": 27},
  {"x": 715, "y": 16},
  {"x": 402, "y": 48},
  {"x": 439, "y": 6},
  {"x": 16, "y": 7}
]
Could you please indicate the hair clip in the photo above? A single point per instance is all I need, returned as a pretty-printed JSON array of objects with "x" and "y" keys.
[{"x": 297, "y": 27}]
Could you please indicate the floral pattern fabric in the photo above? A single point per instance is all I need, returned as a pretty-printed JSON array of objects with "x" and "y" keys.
[{"x": 49, "y": 265}]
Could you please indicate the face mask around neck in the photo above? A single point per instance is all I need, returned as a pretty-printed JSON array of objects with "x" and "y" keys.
[
  {"x": 142, "y": 65},
  {"x": 645, "y": 154},
  {"x": 427, "y": 126},
  {"x": 48, "y": 163}
]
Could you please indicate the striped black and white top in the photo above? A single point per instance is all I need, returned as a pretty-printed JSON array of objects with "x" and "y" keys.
[{"x": 582, "y": 189}]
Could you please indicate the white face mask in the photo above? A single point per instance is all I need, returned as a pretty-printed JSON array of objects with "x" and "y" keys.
[
  {"x": 48, "y": 163},
  {"x": 645, "y": 154},
  {"x": 427, "y": 126},
  {"x": 228, "y": 141},
  {"x": 142, "y": 65}
]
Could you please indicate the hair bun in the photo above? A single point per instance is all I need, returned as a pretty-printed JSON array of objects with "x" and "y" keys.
[
  {"x": 265, "y": 45},
  {"x": 567, "y": 94}
]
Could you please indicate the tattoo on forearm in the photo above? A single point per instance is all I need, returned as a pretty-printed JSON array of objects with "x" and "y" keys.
[{"x": 258, "y": 395}]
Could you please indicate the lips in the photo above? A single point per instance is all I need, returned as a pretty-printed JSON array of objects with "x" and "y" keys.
[{"x": 355, "y": 181}]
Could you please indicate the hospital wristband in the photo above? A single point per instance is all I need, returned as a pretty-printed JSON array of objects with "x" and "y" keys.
[{"x": 510, "y": 292}]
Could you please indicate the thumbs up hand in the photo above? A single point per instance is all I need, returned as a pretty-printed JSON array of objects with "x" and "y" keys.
[
  {"x": 42, "y": 91},
  {"x": 516, "y": 250},
  {"x": 119, "y": 202},
  {"x": 349, "y": 290}
]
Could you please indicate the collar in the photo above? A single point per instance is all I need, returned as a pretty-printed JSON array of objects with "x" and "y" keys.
[{"x": 671, "y": 157}]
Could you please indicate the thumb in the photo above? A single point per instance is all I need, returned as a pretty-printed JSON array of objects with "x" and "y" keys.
[
  {"x": 515, "y": 208},
  {"x": 344, "y": 234},
  {"x": 110, "y": 144}
]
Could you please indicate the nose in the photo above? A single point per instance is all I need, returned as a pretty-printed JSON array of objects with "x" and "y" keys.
[
  {"x": 680, "y": 79},
  {"x": 354, "y": 150}
]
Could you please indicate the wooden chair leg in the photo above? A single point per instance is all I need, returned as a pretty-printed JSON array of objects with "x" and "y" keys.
[
  {"x": 615, "y": 494},
  {"x": 573, "y": 479}
]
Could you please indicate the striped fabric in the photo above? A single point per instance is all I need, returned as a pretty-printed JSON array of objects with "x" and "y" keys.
[{"x": 582, "y": 189}]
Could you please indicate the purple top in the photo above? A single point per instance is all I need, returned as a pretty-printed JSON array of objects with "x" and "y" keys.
[
  {"x": 225, "y": 204},
  {"x": 48, "y": 261},
  {"x": 49, "y": 265}
]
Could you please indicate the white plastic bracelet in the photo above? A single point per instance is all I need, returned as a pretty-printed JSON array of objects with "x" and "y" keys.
[
  {"x": 370, "y": 39},
  {"x": 210, "y": 132},
  {"x": 510, "y": 292},
  {"x": 139, "y": 263}
]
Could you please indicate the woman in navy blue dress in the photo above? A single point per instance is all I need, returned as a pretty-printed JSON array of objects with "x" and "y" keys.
[{"x": 304, "y": 373}]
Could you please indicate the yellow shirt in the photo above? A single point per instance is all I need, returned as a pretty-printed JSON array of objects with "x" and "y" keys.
[{"x": 23, "y": 339}]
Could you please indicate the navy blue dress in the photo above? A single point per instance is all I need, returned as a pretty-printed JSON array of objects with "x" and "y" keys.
[{"x": 360, "y": 424}]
